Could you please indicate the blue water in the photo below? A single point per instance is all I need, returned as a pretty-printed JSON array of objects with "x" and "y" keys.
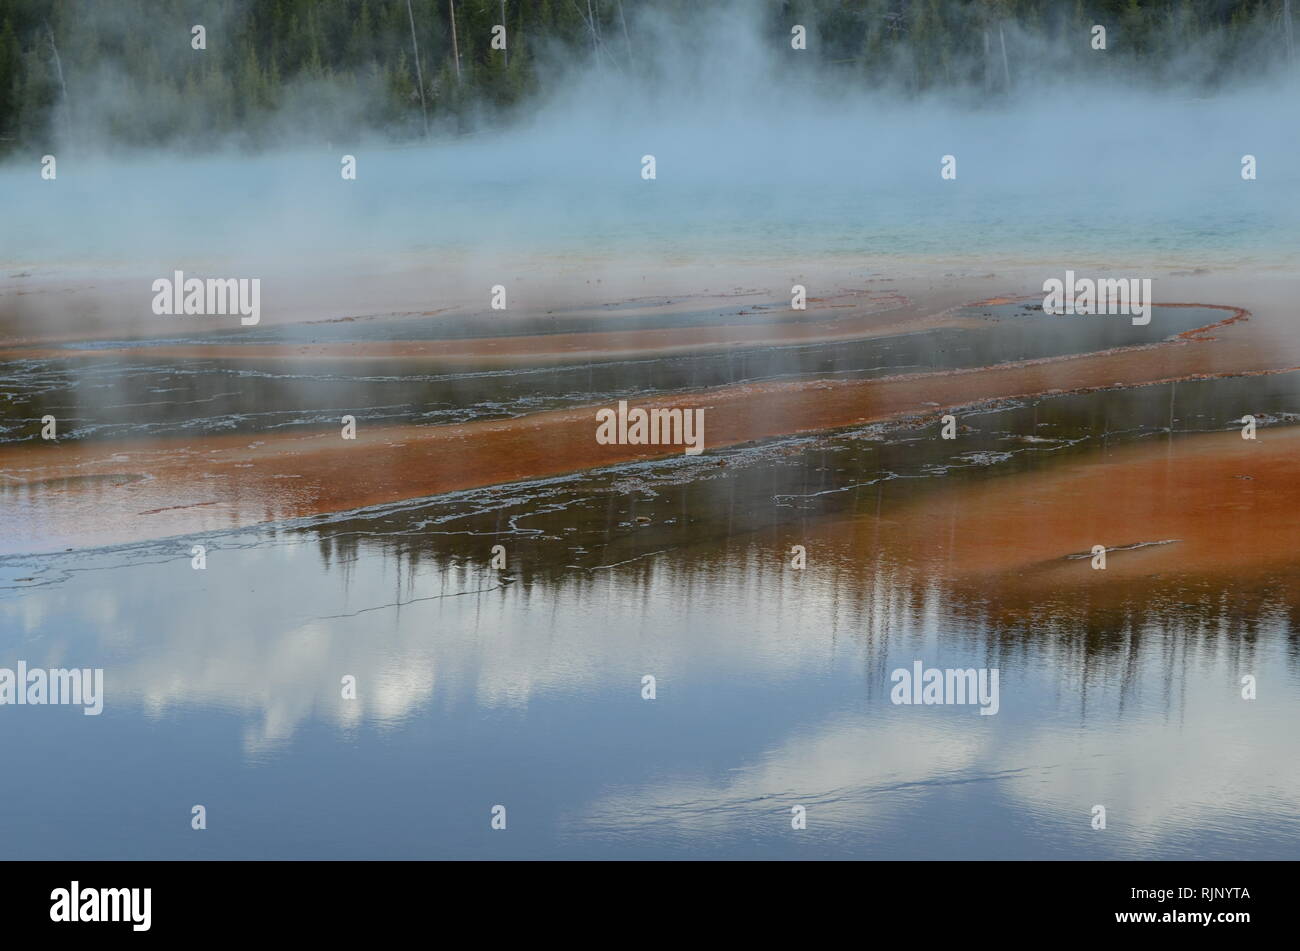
[
  {"x": 522, "y": 688},
  {"x": 490, "y": 202},
  {"x": 479, "y": 687}
]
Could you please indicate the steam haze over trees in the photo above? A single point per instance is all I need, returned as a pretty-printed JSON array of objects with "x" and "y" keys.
[{"x": 124, "y": 73}]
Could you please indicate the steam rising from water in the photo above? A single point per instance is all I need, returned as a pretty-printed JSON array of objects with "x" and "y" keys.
[{"x": 762, "y": 153}]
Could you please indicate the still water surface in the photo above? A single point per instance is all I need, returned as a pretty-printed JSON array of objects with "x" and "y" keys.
[{"x": 522, "y": 687}]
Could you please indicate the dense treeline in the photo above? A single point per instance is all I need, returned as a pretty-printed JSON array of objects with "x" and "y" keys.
[{"x": 125, "y": 71}]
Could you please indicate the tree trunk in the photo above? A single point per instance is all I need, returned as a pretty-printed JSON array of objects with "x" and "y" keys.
[
  {"x": 1006, "y": 68},
  {"x": 419, "y": 74},
  {"x": 455, "y": 50},
  {"x": 628, "y": 40},
  {"x": 58, "y": 68}
]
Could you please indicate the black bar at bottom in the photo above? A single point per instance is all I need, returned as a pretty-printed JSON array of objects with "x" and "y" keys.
[{"x": 337, "y": 899}]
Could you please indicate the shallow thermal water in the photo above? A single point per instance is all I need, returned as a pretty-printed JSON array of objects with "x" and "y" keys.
[
  {"x": 143, "y": 396},
  {"x": 522, "y": 687},
  {"x": 482, "y": 201}
]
